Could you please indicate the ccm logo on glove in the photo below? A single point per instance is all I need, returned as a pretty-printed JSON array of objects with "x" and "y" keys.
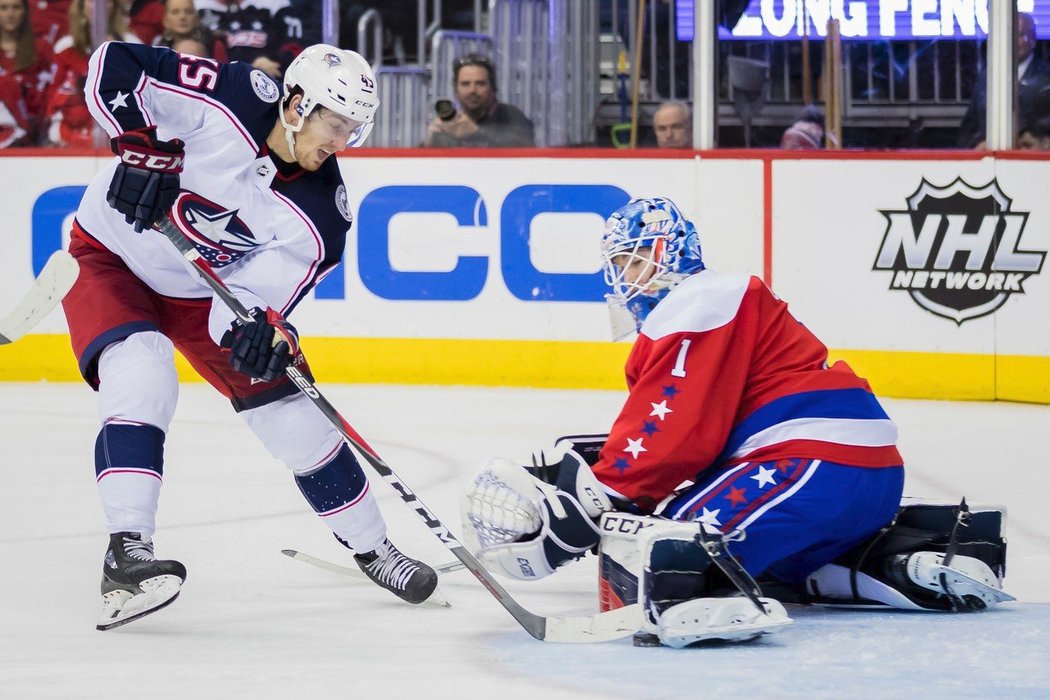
[
  {"x": 152, "y": 161},
  {"x": 146, "y": 180}
]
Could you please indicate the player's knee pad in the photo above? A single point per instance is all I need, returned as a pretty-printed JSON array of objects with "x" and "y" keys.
[
  {"x": 295, "y": 432},
  {"x": 336, "y": 484},
  {"x": 137, "y": 380},
  {"x": 904, "y": 565}
]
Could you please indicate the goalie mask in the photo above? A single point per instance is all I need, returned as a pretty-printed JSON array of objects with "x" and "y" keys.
[
  {"x": 337, "y": 79},
  {"x": 648, "y": 247}
]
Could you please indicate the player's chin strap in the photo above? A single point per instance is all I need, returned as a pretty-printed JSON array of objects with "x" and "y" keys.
[{"x": 290, "y": 131}]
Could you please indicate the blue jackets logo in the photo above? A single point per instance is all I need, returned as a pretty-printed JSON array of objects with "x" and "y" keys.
[
  {"x": 220, "y": 236},
  {"x": 957, "y": 250}
]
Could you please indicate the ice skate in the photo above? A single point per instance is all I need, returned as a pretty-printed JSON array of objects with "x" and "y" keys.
[
  {"x": 732, "y": 619},
  {"x": 134, "y": 582},
  {"x": 408, "y": 579},
  {"x": 967, "y": 582}
]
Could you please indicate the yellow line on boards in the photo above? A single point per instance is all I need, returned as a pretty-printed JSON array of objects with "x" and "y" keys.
[{"x": 573, "y": 365}]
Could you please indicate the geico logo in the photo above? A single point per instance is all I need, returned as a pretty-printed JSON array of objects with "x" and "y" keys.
[
  {"x": 469, "y": 274},
  {"x": 151, "y": 161}
]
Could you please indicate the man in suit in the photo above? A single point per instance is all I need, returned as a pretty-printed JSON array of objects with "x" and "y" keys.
[{"x": 1033, "y": 88}]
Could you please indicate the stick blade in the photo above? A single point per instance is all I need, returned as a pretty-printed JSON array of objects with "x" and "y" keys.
[
  {"x": 54, "y": 282},
  {"x": 603, "y": 627}
]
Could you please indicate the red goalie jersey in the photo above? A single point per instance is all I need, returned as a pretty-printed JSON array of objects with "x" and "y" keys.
[{"x": 721, "y": 374}]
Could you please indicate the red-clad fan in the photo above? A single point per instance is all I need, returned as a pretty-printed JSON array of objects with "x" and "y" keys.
[
  {"x": 50, "y": 19},
  {"x": 25, "y": 63},
  {"x": 146, "y": 20},
  {"x": 12, "y": 115},
  {"x": 182, "y": 24},
  {"x": 71, "y": 123}
]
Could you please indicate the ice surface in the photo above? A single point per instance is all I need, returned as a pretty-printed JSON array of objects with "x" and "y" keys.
[{"x": 252, "y": 623}]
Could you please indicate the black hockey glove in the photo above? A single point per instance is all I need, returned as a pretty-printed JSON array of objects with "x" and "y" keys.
[
  {"x": 263, "y": 348},
  {"x": 146, "y": 182}
]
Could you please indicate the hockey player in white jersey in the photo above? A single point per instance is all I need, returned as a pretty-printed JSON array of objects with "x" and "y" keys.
[{"x": 244, "y": 168}]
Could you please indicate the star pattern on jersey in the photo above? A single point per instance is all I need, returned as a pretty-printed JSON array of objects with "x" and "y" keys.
[
  {"x": 660, "y": 409},
  {"x": 736, "y": 496},
  {"x": 621, "y": 464},
  {"x": 635, "y": 447},
  {"x": 764, "y": 476},
  {"x": 670, "y": 391},
  {"x": 649, "y": 428},
  {"x": 214, "y": 227},
  {"x": 710, "y": 517},
  {"x": 121, "y": 100}
]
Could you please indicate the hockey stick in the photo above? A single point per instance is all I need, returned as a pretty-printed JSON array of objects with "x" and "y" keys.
[
  {"x": 53, "y": 283},
  {"x": 305, "y": 558},
  {"x": 606, "y": 626}
]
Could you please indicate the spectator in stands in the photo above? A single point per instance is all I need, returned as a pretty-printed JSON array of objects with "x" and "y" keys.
[
  {"x": 673, "y": 125},
  {"x": 1034, "y": 136},
  {"x": 50, "y": 19},
  {"x": 1033, "y": 89},
  {"x": 12, "y": 115},
  {"x": 25, "y": 70},
  {"x": 481, "y": 120},
  {"x": 183, "y": 32},
  {"x": 807, "y": 132},
  {"x": 70, "y": 122},
  {"x": 257, "y": 35},
  {"x": 145, "y": 19},
  {"x": 190, "y": 47}
]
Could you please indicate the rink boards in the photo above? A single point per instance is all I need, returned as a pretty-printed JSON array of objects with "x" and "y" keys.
[{"x": 925, "y": 271}]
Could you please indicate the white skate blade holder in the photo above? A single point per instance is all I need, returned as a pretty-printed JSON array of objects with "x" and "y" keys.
[
  {"x": 121, "y": 607},
  {"x": 734, "y": 619},
  {"x": 965, "y": 578}
]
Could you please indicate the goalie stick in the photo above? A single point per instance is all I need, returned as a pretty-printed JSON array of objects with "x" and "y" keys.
[
  {"x": 606, "y": 626},
  {"x": 53, "y": 283}
]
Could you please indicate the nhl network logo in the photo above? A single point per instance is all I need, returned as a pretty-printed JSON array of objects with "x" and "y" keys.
[{"x": 955, "y": 249}]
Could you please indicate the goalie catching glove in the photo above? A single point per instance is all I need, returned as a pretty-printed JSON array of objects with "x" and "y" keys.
[
  {"x": 146, "y": 181},
  {"x": 526, "y": 528},
  {"x": 264, "y": 348}
]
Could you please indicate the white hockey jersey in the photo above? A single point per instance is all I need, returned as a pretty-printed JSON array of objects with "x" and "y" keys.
[{"x": 270, "y": 229}]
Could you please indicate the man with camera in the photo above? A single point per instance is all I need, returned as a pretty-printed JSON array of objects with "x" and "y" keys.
[{"x": 481, "y": 121}]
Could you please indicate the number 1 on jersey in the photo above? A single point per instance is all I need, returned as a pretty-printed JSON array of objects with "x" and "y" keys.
[{"x": 679, "y": 364}]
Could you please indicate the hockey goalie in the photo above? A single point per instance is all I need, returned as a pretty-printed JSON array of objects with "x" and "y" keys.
[{"x": 740, "y": 455}]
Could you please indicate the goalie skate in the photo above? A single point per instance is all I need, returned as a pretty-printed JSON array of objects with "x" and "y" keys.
[
  {"x": 733, "y": 619},
  {"x": 134, "y": 582},
  {"x": 968, "y": 582}
]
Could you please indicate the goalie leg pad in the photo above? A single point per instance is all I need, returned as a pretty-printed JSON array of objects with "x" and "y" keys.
[
  {"x": 685, "y": 593},
  {"x": 902, "y": 566}
]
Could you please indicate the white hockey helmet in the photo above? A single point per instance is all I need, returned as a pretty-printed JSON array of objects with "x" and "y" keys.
[{"x": 338, "y": 79}]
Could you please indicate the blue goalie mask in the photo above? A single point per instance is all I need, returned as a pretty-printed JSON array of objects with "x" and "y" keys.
[{"x": 648, "y": 247}]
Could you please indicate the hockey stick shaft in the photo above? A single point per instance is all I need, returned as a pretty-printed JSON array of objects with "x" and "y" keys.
[{"x": 568, "y": 629}]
